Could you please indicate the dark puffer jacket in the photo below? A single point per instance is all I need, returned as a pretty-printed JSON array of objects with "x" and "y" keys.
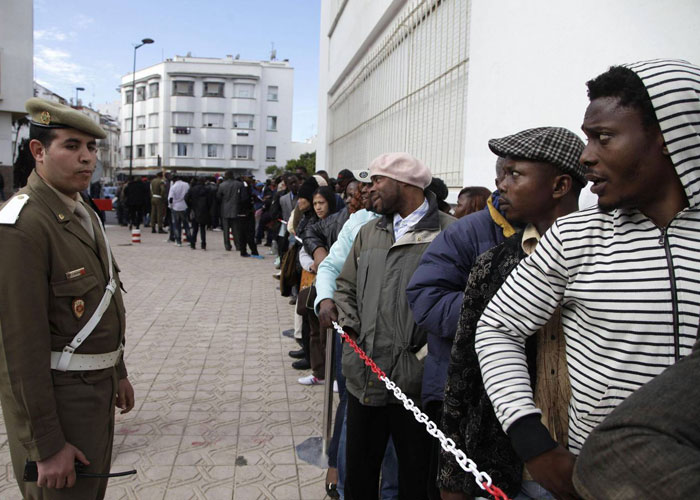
[{"x": 436, "y": 290}]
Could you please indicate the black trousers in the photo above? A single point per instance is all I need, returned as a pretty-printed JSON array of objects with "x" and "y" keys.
[
  {"x": 434, "y": 411},
  {"x": 244, "y": 233},
  {"x": 226, "y": 224},
  {"x": 135, "y": 216},
  {"x": 195, "y": 229},
  {"x": 368, "y": 431}
]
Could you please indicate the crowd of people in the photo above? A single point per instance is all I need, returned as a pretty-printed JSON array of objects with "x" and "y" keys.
[{"x": 556, "y": 347}]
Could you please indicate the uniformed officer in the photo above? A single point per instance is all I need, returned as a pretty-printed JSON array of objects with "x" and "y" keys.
[
  {"x": 61, "y": 315},
  {"x": 158, "y": 195}
]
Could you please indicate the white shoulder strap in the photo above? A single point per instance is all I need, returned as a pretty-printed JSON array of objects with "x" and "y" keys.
[
  {"x": 10, "y": 212},
  {"x": 89, "y": 327}
]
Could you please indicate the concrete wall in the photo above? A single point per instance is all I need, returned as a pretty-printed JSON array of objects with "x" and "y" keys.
[
  {"x": 529, "y": 61},
  {"x": 16, "y": 73}
]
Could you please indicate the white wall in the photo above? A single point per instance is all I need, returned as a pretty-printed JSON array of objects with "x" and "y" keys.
[{"x": 529, "y": 61}]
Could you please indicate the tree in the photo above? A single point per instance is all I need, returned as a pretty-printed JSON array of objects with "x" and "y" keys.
[
  {"x": 306, "y": 161},
  {"x": 273, "y": 171}
]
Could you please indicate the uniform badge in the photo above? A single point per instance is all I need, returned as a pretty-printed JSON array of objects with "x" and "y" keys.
[
  {"x": 78, "y": 307},
  {"x": 45, "y": 117}
]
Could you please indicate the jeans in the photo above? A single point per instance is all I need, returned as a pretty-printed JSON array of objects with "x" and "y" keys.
[
  {"x": 649, "y": 446},
  {"x": 179, "y": 219}
]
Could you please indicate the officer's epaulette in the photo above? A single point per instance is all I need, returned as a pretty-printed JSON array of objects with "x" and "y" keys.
[{"x": 9, "y": 213}]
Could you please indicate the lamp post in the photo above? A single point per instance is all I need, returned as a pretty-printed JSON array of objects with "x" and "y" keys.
[
  {"x": 77, "y": 89},
  {"x": 133, "y": 101}
]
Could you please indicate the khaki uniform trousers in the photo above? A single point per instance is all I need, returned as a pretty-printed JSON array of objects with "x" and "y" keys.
[{"x": 86, "y": 413}]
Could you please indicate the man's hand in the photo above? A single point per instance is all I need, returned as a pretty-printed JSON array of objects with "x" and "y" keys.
[
  {"x": 327, "y": 313},
  {"x": 453, "y": 495},
  {"x": 319, "y": 254},
  {"x": 553, "y": 470},
  {"x": 58, "y": 471},
  {"x": 125, "y": 396}
]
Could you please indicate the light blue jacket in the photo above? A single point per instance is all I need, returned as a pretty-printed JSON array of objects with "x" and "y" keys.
[{"x": 331, "y": 266}]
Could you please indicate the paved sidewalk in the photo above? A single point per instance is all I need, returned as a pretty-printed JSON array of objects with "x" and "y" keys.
[{"x": 218, "y": 411}]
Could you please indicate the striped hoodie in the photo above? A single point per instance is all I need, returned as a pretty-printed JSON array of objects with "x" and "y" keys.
[{"x": 629, "y": 290}]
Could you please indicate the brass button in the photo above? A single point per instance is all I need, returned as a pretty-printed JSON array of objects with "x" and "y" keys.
[
  {"x": 366, "y": 400},
  {"x": 371, "y": 383},
  {"x": 61, "y": 216}
]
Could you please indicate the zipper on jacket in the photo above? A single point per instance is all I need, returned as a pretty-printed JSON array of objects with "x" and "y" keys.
[{"x": 663, "y": 240}]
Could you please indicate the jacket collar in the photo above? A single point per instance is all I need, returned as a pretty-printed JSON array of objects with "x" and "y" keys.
[
  {"x": 431, "y": 220},
  {"x": 61, "y": 213}
]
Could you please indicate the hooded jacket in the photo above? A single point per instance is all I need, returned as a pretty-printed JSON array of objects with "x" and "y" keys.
[
  {"x": 371, "y": 299},
  {"x": 629, "y": 291},
  {"x": 436, "y": 290}
]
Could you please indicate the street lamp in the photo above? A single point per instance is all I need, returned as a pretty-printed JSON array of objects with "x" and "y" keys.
[
  {"x": 133, "y": 101},
  {"x": 77, "y": 89}
]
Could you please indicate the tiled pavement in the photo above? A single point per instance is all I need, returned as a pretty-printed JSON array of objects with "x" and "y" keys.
[{"x": 218, "y": 408}]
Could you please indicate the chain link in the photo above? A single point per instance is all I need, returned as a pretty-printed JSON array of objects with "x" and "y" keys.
[{"x": 483, "y": 480}]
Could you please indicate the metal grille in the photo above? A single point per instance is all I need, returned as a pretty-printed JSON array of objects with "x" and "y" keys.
[{"x": 408, "y": 93}]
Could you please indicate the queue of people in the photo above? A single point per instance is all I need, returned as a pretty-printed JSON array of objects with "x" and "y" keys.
[{"x": 556, "y": 347}]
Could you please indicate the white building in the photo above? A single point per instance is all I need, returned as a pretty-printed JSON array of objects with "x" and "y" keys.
[
  {"x": 197, "y": 114},
  {"x": 16, "y": 73},
  {"x": 438, "y": 78}
]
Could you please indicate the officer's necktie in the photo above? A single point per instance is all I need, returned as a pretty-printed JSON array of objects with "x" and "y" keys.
[{"x": 81, "y": 213}]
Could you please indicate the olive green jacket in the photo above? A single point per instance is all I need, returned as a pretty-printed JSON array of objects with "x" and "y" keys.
[
  {"x": 40, "y": 312},
  {"x": 371, "y": 299}
]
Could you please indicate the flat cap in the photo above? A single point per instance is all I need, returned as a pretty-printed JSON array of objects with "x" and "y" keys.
[
  {"x": 50, "y": 114},
  {"x": 401, "y": 167},
  {"x": 558, "y": 146}
]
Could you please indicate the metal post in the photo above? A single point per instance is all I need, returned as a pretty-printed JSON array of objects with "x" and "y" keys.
[
  {"x": 133, "y": 102},
  {"x": 327, "y": 421},
  {"x": 77, "y": 89}
]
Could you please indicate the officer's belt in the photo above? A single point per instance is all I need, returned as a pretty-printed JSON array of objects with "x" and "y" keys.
[
  {"x": 156, "y": 196},
  {"x": 87, "y": 362},
  {"x": 63, "y": 360}
]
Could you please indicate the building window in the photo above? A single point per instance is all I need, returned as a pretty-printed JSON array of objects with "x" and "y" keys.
[
  {"x": 271, "y": 153},
  {"x": 243, "y": 121},
  {"x": 272, "y": 93},
  {"x": 152, "y": 120},
  {"x": 127, "y": 151},
  {"x": 140, "y": 151},
  {"x": 213, "y": 89},
  {"x": 183, "y": 88},
  {"x": 141, "y": 93},
  {"x": 212, "y": 119},
  {"x": 182, "y": 149},
  {"x": 183, "y": 119},
  {"x": 272, "y": 123},
  {"x": 141, "y": 122},
  {"x": 212, "y": 150},
  {"x": 242, "y": 152},
  {"x": 153, "y": 89},
  {"x": 243, "y": 90},
  {"x": 153, "y": 149},
  {"x": 127, "y": 124},
  {"x": 129, "y": 96}
]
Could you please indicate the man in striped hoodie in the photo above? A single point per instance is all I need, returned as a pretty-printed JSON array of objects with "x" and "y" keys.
[{"x": 625, "y": 273}]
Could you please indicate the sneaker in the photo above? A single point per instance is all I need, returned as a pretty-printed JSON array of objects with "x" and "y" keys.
[
  {"x": 288, "y": 333},
  {"x": 276, "y": 276},
  {"x": 178, "y": 244},
  {"x": 335, "y": 386},
  {"x": 310, "y": 380},
  {"x": 278, "y": 262},
  {"x": 256, "y": 256}
]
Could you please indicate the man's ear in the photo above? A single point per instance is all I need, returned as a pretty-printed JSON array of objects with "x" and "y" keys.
[
  {"x": 561, "y": 186},
  {"x": 37, "y": 149}
]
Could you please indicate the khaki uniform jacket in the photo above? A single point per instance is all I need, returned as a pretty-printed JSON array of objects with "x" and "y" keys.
[
  {"x": 371, "y": 299},
  {"x": 40, "y": 313},
  {"x": 158, "y": 188}
]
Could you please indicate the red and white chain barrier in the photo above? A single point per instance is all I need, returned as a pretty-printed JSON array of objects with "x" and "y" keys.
[{"x": 482, "y": 478}]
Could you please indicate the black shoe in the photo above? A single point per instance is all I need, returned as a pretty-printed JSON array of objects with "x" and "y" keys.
[
  {"x": 297, "y": 354},
  {"x": 301, "y": 364},
  {"x": 160, "y": 231},
  {"x": 293, "y": 300},
  {"x": 228, "y": 249},
  {"x": 153, "y": 231},
  {"x": 245, "y": 255}
]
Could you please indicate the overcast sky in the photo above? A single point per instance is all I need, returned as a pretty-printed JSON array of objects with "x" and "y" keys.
[{"x": 80, "y": 43}]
